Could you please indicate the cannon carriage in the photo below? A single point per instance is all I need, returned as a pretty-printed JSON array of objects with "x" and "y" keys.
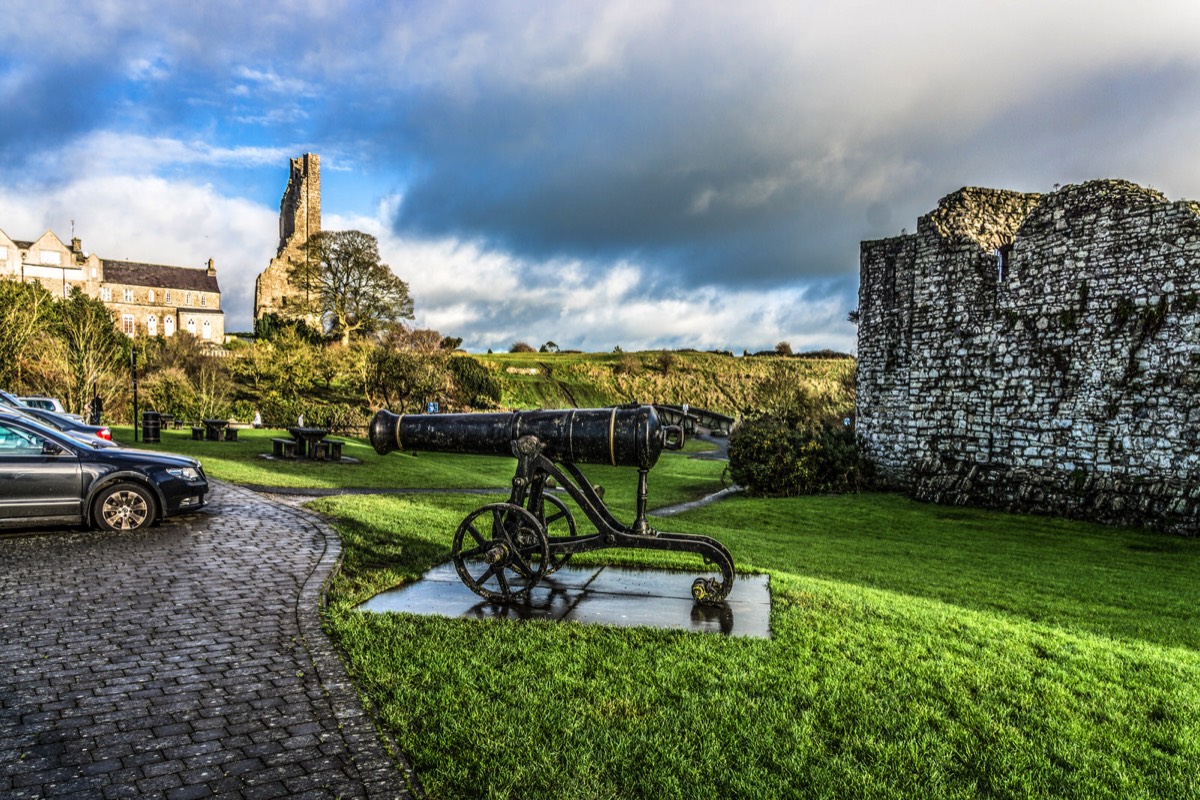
[{"x": 502, "y": 550}]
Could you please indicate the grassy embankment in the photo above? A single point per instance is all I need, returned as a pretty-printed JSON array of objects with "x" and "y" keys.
[
  {"x": 715, "y": 382},
  {"x": 918, "y": 651}
]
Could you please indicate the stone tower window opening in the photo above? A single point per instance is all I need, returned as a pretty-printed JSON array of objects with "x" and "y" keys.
[{"x": 1002, "y": 253}]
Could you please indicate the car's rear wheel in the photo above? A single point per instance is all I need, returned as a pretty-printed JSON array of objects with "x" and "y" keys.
[{"x": 124, "y": 507}]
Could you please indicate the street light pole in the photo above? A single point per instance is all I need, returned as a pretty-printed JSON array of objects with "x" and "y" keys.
[{"x": 133, "y": 371}]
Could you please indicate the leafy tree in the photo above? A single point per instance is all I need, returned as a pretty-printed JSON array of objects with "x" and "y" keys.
[
  {"x": 412, "y": 340},
  {"x": 404, "y": 381},
  {"x": 521, "y": 347},
  {"x": 348, "y": 284},
  {"x": 271, "y": 326},
  {"x": 783, "y": 349},
  {"x": 451, "y": 342},
  {"x": 548, "y": 347}
]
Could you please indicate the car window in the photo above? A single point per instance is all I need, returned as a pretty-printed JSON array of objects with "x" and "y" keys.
[{"x": 17, "y": 442}]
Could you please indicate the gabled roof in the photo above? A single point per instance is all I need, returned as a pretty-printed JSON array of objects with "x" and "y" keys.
[{"x": 159, "y": 276}]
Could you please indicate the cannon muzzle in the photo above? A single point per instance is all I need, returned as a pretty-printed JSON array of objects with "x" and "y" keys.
[{"x": 624, "y": 436}]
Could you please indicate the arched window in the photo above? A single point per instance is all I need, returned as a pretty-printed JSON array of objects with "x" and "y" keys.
[
  {"x": 191, "y": 325},
  {"x": 168, "y": 326},
  {"x": 150, "y": 295},
  {"x": 152, "y": 325},
  {"x": 206, "y": 330}
]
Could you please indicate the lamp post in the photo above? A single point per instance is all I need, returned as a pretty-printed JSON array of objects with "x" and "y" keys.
[{"x": 133, "y": 372}]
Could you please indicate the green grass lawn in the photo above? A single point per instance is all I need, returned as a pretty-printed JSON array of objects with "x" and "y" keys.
[{"x": 918, "y": 651}]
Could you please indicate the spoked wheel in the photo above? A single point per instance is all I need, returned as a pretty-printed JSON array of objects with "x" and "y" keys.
[
  {"x": 557, "y": 521},
  {"x": 500, "y": 552},
  {"x": 124, "y": 507}
]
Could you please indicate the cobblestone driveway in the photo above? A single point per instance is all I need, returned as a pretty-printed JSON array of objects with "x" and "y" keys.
[{"x": 184, "y": 661}]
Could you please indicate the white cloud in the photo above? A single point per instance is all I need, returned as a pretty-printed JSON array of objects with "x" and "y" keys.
[
  {"x": 155, "y": 221},
  {"x": 106, "y": 152}
]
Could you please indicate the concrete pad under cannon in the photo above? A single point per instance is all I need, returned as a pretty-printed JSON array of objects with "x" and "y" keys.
[{"x": 595, "y": 595}]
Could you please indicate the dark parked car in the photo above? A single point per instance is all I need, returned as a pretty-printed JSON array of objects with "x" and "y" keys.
[
  {"x": 49, "y": 478},
  {"x": 71, "y": 427}
]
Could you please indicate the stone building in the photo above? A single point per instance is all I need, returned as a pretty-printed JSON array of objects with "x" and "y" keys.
[
  {"x": 299, "y": 219},
  {"x": 146, "y": 298},
  {"x": 1039, "y": 353}
]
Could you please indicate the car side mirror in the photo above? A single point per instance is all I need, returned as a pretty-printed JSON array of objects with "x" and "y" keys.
[{"x": 51, "y": 449}]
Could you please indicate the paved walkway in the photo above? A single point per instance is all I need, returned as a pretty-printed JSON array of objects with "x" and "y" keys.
[{"x": 185, "y": 661}]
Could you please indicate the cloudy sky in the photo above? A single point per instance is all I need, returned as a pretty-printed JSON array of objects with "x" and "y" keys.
[{"x": 643, "y": 174}]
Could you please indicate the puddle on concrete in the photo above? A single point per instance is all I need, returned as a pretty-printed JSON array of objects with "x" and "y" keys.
[{"x": 595, "y": 595}]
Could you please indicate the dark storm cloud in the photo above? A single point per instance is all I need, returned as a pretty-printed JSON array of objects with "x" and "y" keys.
[{"x": 705, "y": 146}]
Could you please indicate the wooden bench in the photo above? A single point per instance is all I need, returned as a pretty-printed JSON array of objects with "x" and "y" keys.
[
  {"x": 283, "y": 448},
  {"x": 327, "y": 450},
  {"x": 198, "y": 433}
]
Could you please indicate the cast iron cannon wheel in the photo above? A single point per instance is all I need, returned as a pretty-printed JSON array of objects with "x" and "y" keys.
[
  {"x": 549, "y": 519},
  {"x": 500, "y": 552},
  {"x": 124, "y": 507}
]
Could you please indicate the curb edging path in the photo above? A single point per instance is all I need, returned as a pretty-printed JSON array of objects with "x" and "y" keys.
[{"x": 184, "y": 661}]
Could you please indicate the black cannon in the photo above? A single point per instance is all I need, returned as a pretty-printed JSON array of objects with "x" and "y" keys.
[{"x": 502, "y": 550}]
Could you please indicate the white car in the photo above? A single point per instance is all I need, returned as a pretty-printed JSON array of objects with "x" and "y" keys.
[{"x": 49, "y": 404}]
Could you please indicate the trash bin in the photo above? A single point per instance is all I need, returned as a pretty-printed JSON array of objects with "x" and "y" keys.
[{"x": 151, "y": 425}]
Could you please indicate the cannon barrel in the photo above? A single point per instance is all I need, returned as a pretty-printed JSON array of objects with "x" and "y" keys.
[{"x": 625, "y": 436}]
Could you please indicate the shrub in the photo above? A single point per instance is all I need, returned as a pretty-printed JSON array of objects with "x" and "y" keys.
[
  {"x": 629, "y": 364},
  {"x": 521, "y": 347},
  {"x": 479, "y": 386},
  {"x": 775, "y": 456}
]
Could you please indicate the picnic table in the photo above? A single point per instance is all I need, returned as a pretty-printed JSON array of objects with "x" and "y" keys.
[
  {"x": 311, "y": 443},
  {"x": 218, "y": 430}
]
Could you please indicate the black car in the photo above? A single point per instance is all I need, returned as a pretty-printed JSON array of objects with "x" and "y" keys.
[
  {"x": 71, "y": 427},
  {"x": 49, "y": 478}
]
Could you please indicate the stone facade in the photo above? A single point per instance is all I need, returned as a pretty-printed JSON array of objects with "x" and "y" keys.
[
  {"x": 299, "y": 219},
  {"x": 1039, "y": 353},
  {"x": 146, "y": 298}
]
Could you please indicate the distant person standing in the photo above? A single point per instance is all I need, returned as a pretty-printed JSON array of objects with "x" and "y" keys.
[
  {"x": 96, "y": 407},
  {"x": 257, "y": 419}
]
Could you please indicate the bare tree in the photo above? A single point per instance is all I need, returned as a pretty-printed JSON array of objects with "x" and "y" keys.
[
  {"x": 26, "y": 310},
  {"x": 349, "y": 286}
]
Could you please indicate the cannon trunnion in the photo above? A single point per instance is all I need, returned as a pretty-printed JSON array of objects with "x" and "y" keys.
[{"x": 502, "y": 550}]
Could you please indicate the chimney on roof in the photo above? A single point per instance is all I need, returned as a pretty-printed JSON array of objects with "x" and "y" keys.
[
  {"x": 76, "y": 246},
  {"x": 212, "y": 270}
]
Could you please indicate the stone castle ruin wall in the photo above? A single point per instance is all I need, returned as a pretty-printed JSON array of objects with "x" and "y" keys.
[
  {"x": 299, "y": 219},
  {"x": 1039, "y": 353}
]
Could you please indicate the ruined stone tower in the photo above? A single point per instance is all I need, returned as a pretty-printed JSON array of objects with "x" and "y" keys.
[{"x": 299, "y": 218}]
